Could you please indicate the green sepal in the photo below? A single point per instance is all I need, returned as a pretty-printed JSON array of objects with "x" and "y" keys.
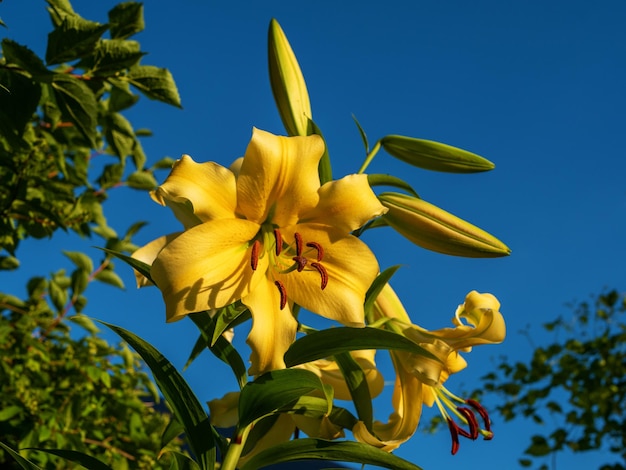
[
  {"x": 333, "y": 341},
  {"x": 180, "y": 397},
  {"x": 320, "y": 449},
  {"x": 324, "y": 167},
  {"x": 435, "y": 156},
  {"x": 278, "y": 390},
  {"x": 379, "y": 179}
]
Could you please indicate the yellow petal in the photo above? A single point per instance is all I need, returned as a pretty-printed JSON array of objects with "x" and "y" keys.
[
  {"x": 208, "y": 187},
  {"x": 322, "y": 428},
  {"x": 346, "y": 204},
  {"x": 407, "y": 404},
  {"x": 279, "y": 432},
  {"x": 278, "y": 177},
  {"x": 206, "y": 267},
  {"x": 273, "y": 329},
  {"x": 351, "y": 268},
  {"x": 224, "y": 411},
  {"x": 388, "y": 305},
  {"x": 148, "y": 254}
]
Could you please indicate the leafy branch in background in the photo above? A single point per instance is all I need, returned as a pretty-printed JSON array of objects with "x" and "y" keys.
[
  {"x": 575, "y": 387},
  {"x": 60, "y": 390}
]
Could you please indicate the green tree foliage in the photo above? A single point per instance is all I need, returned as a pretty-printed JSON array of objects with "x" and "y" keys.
[
  {"x": 61, "y": 390},
  {"x": 575, "y": 386}
]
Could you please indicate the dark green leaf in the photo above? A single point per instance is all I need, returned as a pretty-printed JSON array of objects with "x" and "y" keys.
[
  {"x": 87, "y": 461},
  {"x": 77, "y": 104},
  {"x": 73, "y": 39},
  {"x": 22, "y": 462},
  {"x": 126, "y": 19},
  {"x": 142, "y": 180},
  {"x": 24, "y": 58},
  {"x": 120, "y": 97},
  {"x": 180, "y": 397},
  {"x": 327, "y": 343},
  {"x": 119, "y": 134},
  {"x": 372, "y": 293},
  {"x": 319, "y": 449},
  {"x": 19, "y": 96},
  {"x": 155, "y": 83},
  {"x": 358, "y": 387},
  {"x": 140, "y": 266},
  {"x": 114, "y": 55}
]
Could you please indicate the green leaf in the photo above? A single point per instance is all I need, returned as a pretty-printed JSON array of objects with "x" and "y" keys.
[
  {"x": 181, "y": 461},
  {"x": 24, "y": 58},
  {"x": 22, "y": 462},
  {"x": 372, "y": 293},
  {"x": 156, "y": 83},
  {"x": 119, "y": 134},
  {"x": 80, "y": 260},
  {"x": 120, "y": 97},
  {"x": 77, "y": 104},
  {"x": 275, "y": 390},
  {"x": 326, "y": 343},
  {"x": 126, "y": 19},
  {"x": 9, "y": 263},
  {"x": 19, "y": 97},
  {"x": 362, "y": 133},
  {"x": 114, "y": 55},
  {"x": 142, "y": 180},
  {"x": 319, "y": 449},
  {"x": 180, "y": 397},
  {"x": 85, "y": 322},
  {"x": 140, "y": 266},
  {"x": 87, "y": 461},
  {"x": 58, "y": 295},
  {"x": 324, "y": 168},
  {"x": 73, "y": 39},
  {"x": 435, "y": 156},
  {"x": 377, "y": 179},
  {"x": 357, "y": 385},
  {"x": 10, "y": 411},
  {"x": 110, "y": 277}
]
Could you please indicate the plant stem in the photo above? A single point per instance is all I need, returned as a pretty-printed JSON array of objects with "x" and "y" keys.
[
  {"x": 370, "y": 156},
  {"x": 235, "y": 448}
]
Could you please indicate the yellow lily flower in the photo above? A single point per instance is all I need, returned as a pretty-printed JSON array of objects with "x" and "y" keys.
[
  {"x": 419, "y": 380},
  {"x": 269, "y": 236}
]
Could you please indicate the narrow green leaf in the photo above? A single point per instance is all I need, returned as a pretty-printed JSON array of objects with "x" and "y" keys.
[
  {"x": 275, "y": 390},
  {"x": 140, "y": 266},
  {"x": 87, "y": 461},
  {"x": 378, "y": 179},
  {"x": 171, "y": 432},
  {"x": 229, "y": 317},
  {"x": 324, "y": 168},
  {"x": 357, "y": 385},
  {"x": 363, "y": 135},
  {"x": 180, "y": 397},
  {"x": 326, "y": 343},
  {"x": 319, "y": 449},
  {"x": 181, "y": 461},
  {"x": 22, "y": 462},
  {"x": 77, "y": 104},
  {"x": 372, "y": 293},
  {"x": 126, "y": 19},
  {"x": 155, "y": 83}
]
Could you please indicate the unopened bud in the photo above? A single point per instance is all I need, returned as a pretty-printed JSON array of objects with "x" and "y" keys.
[
  {"x": 287, "y": 82},
  {"x": 433, "y": 228},
  {"x": 435, "y": 156}
]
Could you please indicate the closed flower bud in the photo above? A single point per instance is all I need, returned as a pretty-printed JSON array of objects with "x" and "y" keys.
[
  {"x": 433, "y": 228},
  {"x": 434, "y": 155},
  {"x": 287, "y": 82}
]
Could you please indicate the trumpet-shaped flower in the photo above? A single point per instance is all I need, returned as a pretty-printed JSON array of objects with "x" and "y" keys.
[
  {"x": 269, "y": 236},
  {"x": 419, "y": 379}
]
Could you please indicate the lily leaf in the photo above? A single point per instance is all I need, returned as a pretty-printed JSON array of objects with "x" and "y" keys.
[
  {"x": 377, "y": 179},
  {"x": 319, "y": 449},
  {"x": 180, "y": 397},
  {"x": 357, "y": 385},
  {"x": 22, "y": 462},
  {"x": 331, "y": 342},
  {"x": 140, "y": 266},
  {"x": 87, "y": 461}
]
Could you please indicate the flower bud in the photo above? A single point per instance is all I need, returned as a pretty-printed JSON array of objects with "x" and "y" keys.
[
  {"x": 433, "y": 228},
  {"x": 287, "y": 82},
  {"x": 434, "y": 155}
]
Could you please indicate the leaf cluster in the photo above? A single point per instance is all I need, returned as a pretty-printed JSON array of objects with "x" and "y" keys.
[{"x": 577, "y": 382}]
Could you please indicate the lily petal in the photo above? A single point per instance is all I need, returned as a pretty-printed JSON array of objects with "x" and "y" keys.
[
  {"x": 273, "y": 329},
  {"x": 351, "y": 269},
  {"x": 346, "y": 204},
  {"x": 206, "y": 267},
  {"x": 279, "y": 177},
  {"x": 208, "y": 187},
  {"x": 148, "y": 254}
]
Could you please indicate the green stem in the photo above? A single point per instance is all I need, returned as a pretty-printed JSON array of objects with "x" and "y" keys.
[
  {"x": 235, "y": 448},
  {"x": 370, "y": 156}
]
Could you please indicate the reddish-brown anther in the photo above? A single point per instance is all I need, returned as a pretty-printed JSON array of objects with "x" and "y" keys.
[
  {"x": 283, "y": 294},
  {"x": 454, "y": 433},
  {"x": 480, "y": 409},
  {"x": 323, "y": 273},
  {"x": 471, "y": 422},
  {"x": 279, "y": 241},
  {"x": 318, "y": 248},
  {"x": 254, "y": 257}
]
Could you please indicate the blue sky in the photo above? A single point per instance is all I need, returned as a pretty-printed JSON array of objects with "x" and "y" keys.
[{"x": 536, "y": 87}]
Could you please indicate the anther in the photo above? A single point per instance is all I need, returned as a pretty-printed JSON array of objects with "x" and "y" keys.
[
  {"x": 301, "y": 261},
  {"x": 283, "y": 294},
  {"x": 279, "y": 241},
  {"x": 318, "y": 248},
  {"x": 298, "y": 238},
  {"x": 480, "y": 409},
  {"x": 454, "y": 433},
  {"x": 323, "y": 273},
  {"x": 471, "y": 421},
  {"x": 254, "y": 258}
]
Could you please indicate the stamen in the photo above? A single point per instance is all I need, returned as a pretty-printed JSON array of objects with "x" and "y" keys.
[
  {"x": 298, "y": 238},
  {"x": 283, "y": 294},
  {"x": 323, "y": 273},
  {"x": 279, "y": 241},
  {"x": 318, "y": 247},
  {"x": 454, "y": 433},
  {"x": 480, "y": 409},
  {"x": 254, "y": 257},
  {"x": 301, "y": 261},
  {"x": 471, "y": 421}
]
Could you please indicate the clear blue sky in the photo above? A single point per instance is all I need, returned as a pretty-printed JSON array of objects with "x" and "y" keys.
[{"x": 537, "y": 87}]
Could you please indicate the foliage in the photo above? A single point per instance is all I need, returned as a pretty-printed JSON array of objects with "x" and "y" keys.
[
  {"x": 63, "y": 387},
  {"x": 577, "y": 382}
]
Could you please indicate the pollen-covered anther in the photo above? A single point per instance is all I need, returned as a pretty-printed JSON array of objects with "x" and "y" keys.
[
  {"x": 454, "y": 433},
  {"x": 480, "y": 409},
  {"x": 298, "y": 238},
  {"x": 318, "y": 248},
  {"x": 283, "y": 293},
  {"x": 254, "y": 256},
  {"x": 301, "y": 261},
  {"x": 471, "y": 422},
  {"x": 323, "y": 273},
  {"x": 279, "y": 241}
]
